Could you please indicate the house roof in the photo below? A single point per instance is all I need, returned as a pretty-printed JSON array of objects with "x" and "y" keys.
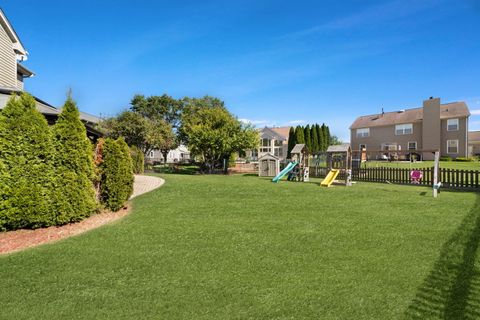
[
  {"x": 283, "y": 131},
  {"x": 474, "y": 137},
  {"x": 49, "y": 110},
  {"x": 339, "y": 148},
  {"x": 24, "y": 71},
  {"x": 17, "y": 44},
  {"x": 447, "y": 110}
]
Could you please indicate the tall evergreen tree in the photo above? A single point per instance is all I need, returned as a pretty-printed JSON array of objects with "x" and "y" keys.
[
  {"x": 328, "y": 137},
  {"x": 74, "y": 165},
  {"x": 321, "y": 141},
  {"x": 299, "y": 137},
  {"x": 324, "y": 137},
  {"x": 27, "y": 155},
  {"x": 291, "y": 142},
  {"x": 314, "y": 136},
  {"x": 308, "y": 140}
]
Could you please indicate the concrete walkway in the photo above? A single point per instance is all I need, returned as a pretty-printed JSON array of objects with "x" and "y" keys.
[{"x": 144, "y": 184}]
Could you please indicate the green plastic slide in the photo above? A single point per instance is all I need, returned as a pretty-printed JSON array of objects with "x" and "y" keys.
[{"x": 286, "y": 170}]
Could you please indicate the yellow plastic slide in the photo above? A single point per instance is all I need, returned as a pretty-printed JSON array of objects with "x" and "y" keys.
[{"x": 330, "y": 177}]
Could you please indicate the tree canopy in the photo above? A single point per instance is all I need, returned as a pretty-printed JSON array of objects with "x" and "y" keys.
[{"x": 212, "y": 132}]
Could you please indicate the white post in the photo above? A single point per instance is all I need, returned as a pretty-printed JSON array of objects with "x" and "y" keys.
[{"x": 435, "y": 174}]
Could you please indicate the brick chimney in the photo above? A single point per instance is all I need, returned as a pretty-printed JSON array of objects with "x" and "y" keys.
[{"x": 431, "y": 125}]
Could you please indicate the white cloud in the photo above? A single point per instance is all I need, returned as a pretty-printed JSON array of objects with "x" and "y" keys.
[
  {"x": 258, "y": 123},
  {"x": 475, "y": 112},
  {"x": 296, "y": 122}
]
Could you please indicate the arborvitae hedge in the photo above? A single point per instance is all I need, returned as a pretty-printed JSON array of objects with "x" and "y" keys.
[
  {"x": 28, "y": 192},
  {"x": 116, "y": 183},
  {"x": 138, "y": 160},
  {"x": 74, "y": 165}
]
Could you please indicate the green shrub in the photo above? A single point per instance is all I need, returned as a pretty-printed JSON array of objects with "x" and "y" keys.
[
  {"x": 116, "y": 169},
  {"x": 74, "y": 166},
  {"x": 463, "y": 159},
  {"x": 28, "y": 192},
  {"x": 446, "y": 158},
  {"x": 138, "y": 160}
]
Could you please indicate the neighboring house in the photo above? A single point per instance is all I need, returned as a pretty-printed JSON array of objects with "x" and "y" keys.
[
  {"x": 273, "y": 141},
  {"x": 13, "y": 73},
  {"x": 179, "y": 155},
  {"x": 435, "y": 126},
  {"x": 474, "y": 143}
]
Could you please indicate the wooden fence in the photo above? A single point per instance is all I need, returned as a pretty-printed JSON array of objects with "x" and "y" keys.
[{"x": 450, "y": 178}]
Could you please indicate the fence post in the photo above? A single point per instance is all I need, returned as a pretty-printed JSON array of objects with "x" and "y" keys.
[{"x": 435, "y": 174}]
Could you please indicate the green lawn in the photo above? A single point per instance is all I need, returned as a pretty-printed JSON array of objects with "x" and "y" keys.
[{"x": 237, "y": 247}]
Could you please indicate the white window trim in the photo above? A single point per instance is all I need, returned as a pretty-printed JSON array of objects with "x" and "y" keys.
[
  {"x": 408, "y": 145},
  {"x": 458, "y": 124},
  {"x": 362, "y": 132},
  {"x": 403, "y": 125},
  {"x": 458, "y": 147}
]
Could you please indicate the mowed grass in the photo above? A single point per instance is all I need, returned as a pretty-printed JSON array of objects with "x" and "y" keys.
[{"x": 237, "y": 247}]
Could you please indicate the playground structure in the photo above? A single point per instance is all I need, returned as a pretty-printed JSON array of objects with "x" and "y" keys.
[
  {"x": 298, "y": 168},
  {"x": 339, "y": 160}
]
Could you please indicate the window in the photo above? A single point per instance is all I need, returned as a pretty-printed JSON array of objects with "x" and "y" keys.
[
  {"x": 362, "y": 146},
  {"x": 452, "y": 146},
  {"x": 452, "y": 125},
  {"x": 389, "y": 147},
  {"x": 152, "y": 154},
  {"x": 412, "y": 145},
  {"x": 265, "y": 145},
  {"x": 363, "y": 132},
  {"x": 401, "y": 129},
  {"x": 278, "y": 152}
]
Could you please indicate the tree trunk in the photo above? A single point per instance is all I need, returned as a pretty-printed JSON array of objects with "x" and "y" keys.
[{"x": 164, "y": 154}]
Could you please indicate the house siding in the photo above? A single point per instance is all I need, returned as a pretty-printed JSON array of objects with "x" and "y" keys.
[
  {"x": 386, "y": 134},
  {"x": 19, "y": 82},
  {"x": 460, "y": 135},
  {"x": 8, "y": 62}
]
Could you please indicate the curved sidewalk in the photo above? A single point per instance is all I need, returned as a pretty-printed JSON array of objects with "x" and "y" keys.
[{"x": 21, "y": 239}]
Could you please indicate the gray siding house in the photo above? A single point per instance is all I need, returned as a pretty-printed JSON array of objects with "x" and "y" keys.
[
  {"x": 435, "y": 126},
  {"x": 13, "y": 73}
]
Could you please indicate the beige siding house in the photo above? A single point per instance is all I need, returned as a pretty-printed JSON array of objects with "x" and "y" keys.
[
  {"x": 12, "y": 53},
  {"x": 12, "y": 74},
  {"x": 273, "y": 141},
  {"x": 435, "y": 126}
]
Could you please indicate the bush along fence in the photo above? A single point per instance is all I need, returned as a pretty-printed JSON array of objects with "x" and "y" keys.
[
  {"x": 450, "y": 178},
  {"x": 48, "y": 175}
]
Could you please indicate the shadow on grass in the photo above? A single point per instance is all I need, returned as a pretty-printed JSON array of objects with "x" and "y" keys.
[
  {"x": 176, "y": 169},
  {"x": 452, "y": 289}
]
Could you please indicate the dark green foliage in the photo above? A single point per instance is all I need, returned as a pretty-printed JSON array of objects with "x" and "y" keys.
[
  {"x": 138, "y": 160},
  {"x": 74, "y": 166},
  {"x": 26, "y": 167},
  {"x": 306, "y": 134},
  {"x": 320, "y": 138},
  {"x": 299, "y": 136},
  {"x": 291, "y": 142},
  {"x": 326, "y": 134},
  {"x": 314, "y": 137},
  {"x": 463, "y": 159},
  {"x": 116, "y": 182}
]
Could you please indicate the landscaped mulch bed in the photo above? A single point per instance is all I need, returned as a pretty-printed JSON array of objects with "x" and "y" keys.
[{"x": 21, "y": 239}]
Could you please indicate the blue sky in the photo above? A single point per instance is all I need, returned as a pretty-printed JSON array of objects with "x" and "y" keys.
[{"x": 272, "y": 62}]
